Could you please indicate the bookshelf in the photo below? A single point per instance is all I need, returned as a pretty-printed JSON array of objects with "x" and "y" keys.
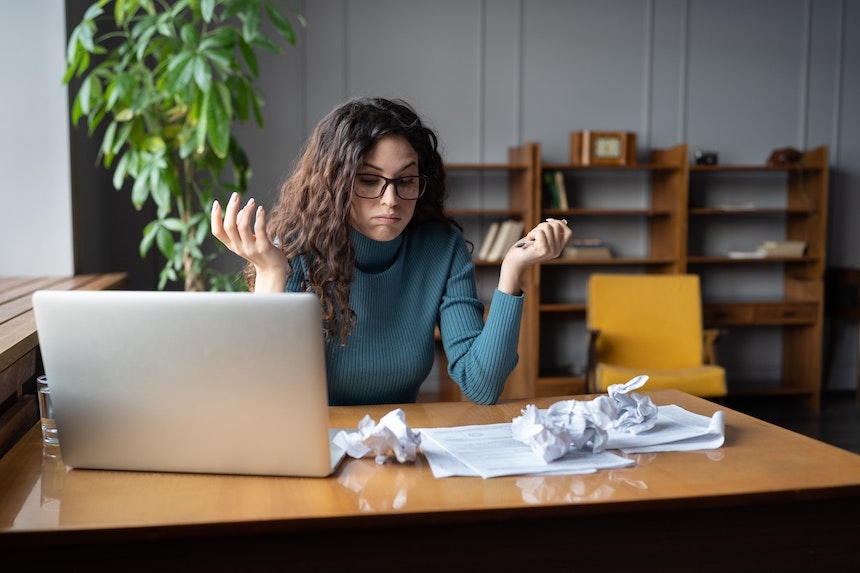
[
  {"x": 774, "y": 303},
  {"x": 665, "y": 215}
]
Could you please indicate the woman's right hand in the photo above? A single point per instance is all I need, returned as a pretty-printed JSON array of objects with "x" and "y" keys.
[{"x": 233, "y": 228}]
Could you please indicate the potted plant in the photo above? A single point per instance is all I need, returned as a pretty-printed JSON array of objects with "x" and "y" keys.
[{"x": 168, "y": 79}]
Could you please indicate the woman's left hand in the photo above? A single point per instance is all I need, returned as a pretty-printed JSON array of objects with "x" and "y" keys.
[{"x": 546, "y": 241}]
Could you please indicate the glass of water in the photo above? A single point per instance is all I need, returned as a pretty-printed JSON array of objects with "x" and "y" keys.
[{"x": 46, "y": 412}]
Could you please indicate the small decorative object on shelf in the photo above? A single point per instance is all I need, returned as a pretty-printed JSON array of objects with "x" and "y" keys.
[
  {"x": 783, "y": 157},
  {"x": 702, "y": 157},
  {"x": 602, "y": 148}
]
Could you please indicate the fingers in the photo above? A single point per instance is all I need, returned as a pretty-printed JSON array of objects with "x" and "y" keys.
[
  {"x": 260, "y": 222},
  {"x": 548, "y": 237},
  {"x": 561, "y": 233},
  {"x": 217, "y": 223},
  {"x": 243, "y": 222},
  {"x": 234, "y": 229}
]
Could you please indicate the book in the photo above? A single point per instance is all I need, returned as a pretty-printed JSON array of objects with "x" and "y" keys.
[
  {"x": 551, "y": 193},
  {"x": 509, "y": 232},
  {"x": 587, "y": 253},
  {"x": 489, "y": 239},
  {"x": 561, "y": 190},
  {"x": 783, "y": 248},
  {"x": 587, "y": 248}
]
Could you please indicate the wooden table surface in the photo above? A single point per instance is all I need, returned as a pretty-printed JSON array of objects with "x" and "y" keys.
[{"x": 762, "y": 501}]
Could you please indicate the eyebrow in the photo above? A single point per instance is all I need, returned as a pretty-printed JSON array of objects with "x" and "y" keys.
[{"x": 402, "y": 169}]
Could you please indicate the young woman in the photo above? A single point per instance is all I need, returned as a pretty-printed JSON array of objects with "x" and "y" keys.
[{"x": 360, "y": 223}]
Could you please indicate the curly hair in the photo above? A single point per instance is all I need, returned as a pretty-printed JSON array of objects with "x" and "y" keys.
[{"x": 311, "y": 220}]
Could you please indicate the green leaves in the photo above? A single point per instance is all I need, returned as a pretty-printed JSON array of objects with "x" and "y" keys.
[{"x": 170, "y": 79}]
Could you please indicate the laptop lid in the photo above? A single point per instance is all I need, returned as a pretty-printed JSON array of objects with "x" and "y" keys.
[{"x": 204, "y": 382}]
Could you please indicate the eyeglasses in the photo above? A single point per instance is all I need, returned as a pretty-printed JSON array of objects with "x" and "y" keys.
[{"x": 370, "y": 186}]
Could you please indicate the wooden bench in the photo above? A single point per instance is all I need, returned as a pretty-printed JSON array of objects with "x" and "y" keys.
[{"x": 20, "y": 361}]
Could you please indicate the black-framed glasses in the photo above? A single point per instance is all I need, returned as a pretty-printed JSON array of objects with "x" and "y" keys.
[{"x": 372, "y": 186}]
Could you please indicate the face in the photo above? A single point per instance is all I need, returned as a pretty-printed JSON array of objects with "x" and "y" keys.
[{"x": 384, "y": 218}]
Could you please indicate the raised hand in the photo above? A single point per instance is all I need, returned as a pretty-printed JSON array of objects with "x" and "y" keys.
[
  {"x": 544, "y": 242},
  {"x": 250, "y": 241}
]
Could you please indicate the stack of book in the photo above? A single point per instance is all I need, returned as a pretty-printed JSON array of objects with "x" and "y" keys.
[
  {"x": 587, "y": 249},
  {"x": 555, "y": 193},
  {"x": 783, "y": 248},
  {"x": 777, "y": 249},
  {"x": 500, "y": 236}
]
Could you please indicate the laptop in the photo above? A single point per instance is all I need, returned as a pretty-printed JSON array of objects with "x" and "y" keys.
[{"x": 200, "y": 382}]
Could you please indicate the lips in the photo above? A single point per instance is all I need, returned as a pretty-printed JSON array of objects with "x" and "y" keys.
[{"x": 387, "y": 218}]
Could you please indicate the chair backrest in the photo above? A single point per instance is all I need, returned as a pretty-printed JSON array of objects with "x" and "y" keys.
[{"x": 647, "y": 321}]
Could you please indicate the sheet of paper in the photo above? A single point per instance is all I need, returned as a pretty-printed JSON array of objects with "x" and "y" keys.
[
  {"x": 490, "y": 450},
  {"x": 676, "y": 429}
]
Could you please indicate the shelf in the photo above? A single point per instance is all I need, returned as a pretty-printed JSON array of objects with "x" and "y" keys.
[
  {"x": 614, "y": 261},
  {"x": 484, "y": 212},
  {"x": 754, "y": 168},
  {"x": 634, "y": 167},
  {"x": 486, "y": 167},
  {"x": 580, "y": 212},
  {"x": 726, "y": 260},
  {"x": 562, "y": 308},
  {"x": 761, "y": 313},
  {"x": 486, "y": 263},
  {"x": 751, "y": 212}
]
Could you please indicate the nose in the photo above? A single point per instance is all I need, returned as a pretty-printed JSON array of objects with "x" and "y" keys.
[{"x": 389, "y": 194}]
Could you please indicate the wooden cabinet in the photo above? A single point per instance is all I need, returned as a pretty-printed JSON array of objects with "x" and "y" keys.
[
  {"x": 664, "y": 215},
  {"x": 769, "y": 309}
]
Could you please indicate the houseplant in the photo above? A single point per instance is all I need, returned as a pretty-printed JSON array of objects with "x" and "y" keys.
[{"x": 167, "y": 80}]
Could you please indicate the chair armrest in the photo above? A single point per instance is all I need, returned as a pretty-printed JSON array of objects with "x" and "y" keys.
[
  {"x": 709, "y": 342},
  {"x": 591, "y": 357}
]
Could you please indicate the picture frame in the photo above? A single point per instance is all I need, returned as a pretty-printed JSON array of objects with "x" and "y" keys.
[{"x": 589, "y": 147}]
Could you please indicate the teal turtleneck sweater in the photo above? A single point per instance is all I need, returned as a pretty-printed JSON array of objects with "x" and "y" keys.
[{"x": 401, "y": 290}]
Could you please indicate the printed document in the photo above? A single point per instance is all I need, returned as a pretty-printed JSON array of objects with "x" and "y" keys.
[{"x": 491, "y": 451}]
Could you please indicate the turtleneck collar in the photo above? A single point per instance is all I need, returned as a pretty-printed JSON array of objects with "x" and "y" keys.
[{"x": 374, "y": 256}]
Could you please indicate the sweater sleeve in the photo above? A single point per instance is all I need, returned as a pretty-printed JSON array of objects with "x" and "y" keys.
[{"x": 481, "y": 355}]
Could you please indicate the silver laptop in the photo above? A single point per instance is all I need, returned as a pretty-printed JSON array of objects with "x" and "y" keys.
[{"x": 203, "y": 382}]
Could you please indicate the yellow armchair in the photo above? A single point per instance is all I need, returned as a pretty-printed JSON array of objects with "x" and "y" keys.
[{"x": 650, "y": 324}]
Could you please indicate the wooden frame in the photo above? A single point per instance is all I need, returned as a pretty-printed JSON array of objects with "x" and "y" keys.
[{"x": 602, "y": 148}]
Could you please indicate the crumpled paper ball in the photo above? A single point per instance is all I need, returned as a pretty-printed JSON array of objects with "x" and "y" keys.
[
  {"x": 583, "y": 425},
  {"x": 390, "y": 436}
]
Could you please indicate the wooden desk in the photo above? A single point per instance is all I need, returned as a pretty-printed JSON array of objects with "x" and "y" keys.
[
  {"x": 769, "y": 499},
  {"x": 19, "y": 345}
]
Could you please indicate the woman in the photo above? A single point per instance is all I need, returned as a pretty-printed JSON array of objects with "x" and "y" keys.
[{"x": 360, "y": 223}]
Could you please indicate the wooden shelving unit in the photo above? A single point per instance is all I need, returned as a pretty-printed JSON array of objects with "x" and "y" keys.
[
  {"x": 659, "y": 210},
  {"x": 790, "y": 202},
  {"x": 677, "y": 212}
]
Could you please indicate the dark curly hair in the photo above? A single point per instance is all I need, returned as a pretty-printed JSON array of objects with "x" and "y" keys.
[{"x": 312, "y": 217}]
